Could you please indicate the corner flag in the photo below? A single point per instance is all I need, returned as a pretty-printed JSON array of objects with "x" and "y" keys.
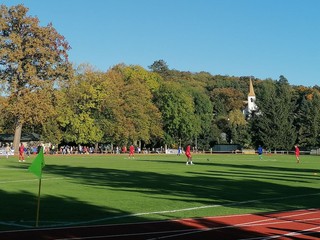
[{"x": 37, "y": 164}]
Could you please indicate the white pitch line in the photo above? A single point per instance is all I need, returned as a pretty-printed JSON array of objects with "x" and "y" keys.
[
  {"x": 178, "y": 210},
  {"x": 14, "y": 169},
  {"x": 171, "y": 211},
  {"x": 192, "y": 208},
  {"x": 31, "y": 180}
]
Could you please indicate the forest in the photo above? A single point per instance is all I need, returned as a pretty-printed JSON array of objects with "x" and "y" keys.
[{"x": 43, "y": 93}]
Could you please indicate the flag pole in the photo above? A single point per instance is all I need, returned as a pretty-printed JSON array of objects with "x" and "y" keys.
[
  {"x": 36, "y": 168},
  {"x": 38, "y": 205}
]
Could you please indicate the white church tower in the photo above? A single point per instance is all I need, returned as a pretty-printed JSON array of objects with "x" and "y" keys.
[{"x": 251, "y": 104}]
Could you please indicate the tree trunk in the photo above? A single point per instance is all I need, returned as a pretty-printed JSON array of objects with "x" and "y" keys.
[
  {"x": 17, "y": 138},
  {"x": 96, "y": 147}
]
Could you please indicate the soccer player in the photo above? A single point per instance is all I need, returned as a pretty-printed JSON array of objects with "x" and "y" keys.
[
  {"x": 8, "y": 149},
  {"x": 297, "y": 152},
  {"x": 188, "y": 154},
  {"x": 260, "y": 151},
  {"x": 179, "y": 151},
  {"x": 21, "y": 153},
  {"x": 131, "y": 151}
]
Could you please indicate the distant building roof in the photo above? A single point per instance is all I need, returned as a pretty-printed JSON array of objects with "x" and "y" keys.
[{"x": 251, "y": 91}]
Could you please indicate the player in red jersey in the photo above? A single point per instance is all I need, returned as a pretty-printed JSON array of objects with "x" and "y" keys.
[
  {"x": 21, "y": 153},
  {"x": 188, "y": 154},
  {"x": 131, "y": 151},
  {"x": 297, "y": 152}
]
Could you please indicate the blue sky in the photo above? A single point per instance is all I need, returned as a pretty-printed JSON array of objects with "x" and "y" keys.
[{"x": 260, "y": 38}]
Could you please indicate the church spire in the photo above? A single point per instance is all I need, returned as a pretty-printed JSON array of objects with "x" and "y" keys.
[{"x": 251, "y": 91}]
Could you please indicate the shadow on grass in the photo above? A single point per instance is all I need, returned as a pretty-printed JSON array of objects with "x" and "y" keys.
[
  {"x": 210, "y": 187},
  {"x": 205, "y": 187},
  {"x": 19, "y": 211}
]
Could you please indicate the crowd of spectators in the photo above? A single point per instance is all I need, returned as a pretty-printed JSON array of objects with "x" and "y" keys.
[{"x": 32, "y": 148}]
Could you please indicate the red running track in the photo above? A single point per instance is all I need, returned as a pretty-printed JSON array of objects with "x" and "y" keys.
[{"x": 301, "y": 224}]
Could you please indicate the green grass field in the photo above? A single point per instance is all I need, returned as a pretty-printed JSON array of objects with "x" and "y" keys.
[{"x": 88, "y": 189}]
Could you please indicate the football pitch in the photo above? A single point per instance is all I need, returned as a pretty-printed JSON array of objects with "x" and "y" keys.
[{"x": 106, "y": 189}]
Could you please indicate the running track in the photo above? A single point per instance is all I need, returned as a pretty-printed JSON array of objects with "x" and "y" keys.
[{"x": 297, "y": 225}]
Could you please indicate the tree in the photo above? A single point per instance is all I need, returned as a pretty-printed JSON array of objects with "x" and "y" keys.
[
  {"x": 239, "y": 128},
  {"x": 226, "y": 99},
  {"x": 274, "y": 127},
  {"x": 178, "y": 113},
  {"x": 32, "y": 60},
  {"x": 204, "y": 114},
  {"x": 141, "y": 117},
  {"x": 110, "y": 107},
  {"x": 308, "y": 120},
  {"x": 160, "y": 67},
  {"x": 80, "y": 107}
]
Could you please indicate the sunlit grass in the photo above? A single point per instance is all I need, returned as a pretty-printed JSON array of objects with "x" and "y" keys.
[{"x": 95, "y": 189}]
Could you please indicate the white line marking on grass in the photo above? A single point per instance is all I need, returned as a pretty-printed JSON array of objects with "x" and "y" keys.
[
  {"x": 14, "y": 169},
  {"x": 12, "y": 224},
  {"x": 245, "y": 160},
  {"x": 174, "y": 210},
  {"x": 232, "y": 160},
  {"x": 31, "y": 180},
  {"x": 185, "y": 209}
]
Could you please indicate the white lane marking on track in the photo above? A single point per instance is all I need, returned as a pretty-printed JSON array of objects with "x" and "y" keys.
[
  {"x": 122, "y": 235},
  {"x": 190, "y": 231},
  {"x": 248, "y": 224},
  {"x": 301, "y": 232}
]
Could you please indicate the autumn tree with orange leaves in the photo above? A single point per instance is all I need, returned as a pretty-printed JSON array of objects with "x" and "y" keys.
[{"x": 32, "y": 60}]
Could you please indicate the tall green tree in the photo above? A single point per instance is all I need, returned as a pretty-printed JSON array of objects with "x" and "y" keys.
[
  {"x": 160, "y": 67},
  {"x": 114, "y": 107},
  {"x": 178, "y": 113},
  {"x": 142, "y": 118},
  {"x": 308, "y": 121},
  {"x": 226, "y": 99},
  {"x": 204, "y": 114},
  {"x": 239, "y": 128},
  {"x": 273, "y": 126},
  {"x": 82, "y": 99},
  {"x": 32, "y": 59}
]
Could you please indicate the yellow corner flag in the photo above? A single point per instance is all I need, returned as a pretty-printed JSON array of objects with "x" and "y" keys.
[{"x": 37, "y": 164}]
